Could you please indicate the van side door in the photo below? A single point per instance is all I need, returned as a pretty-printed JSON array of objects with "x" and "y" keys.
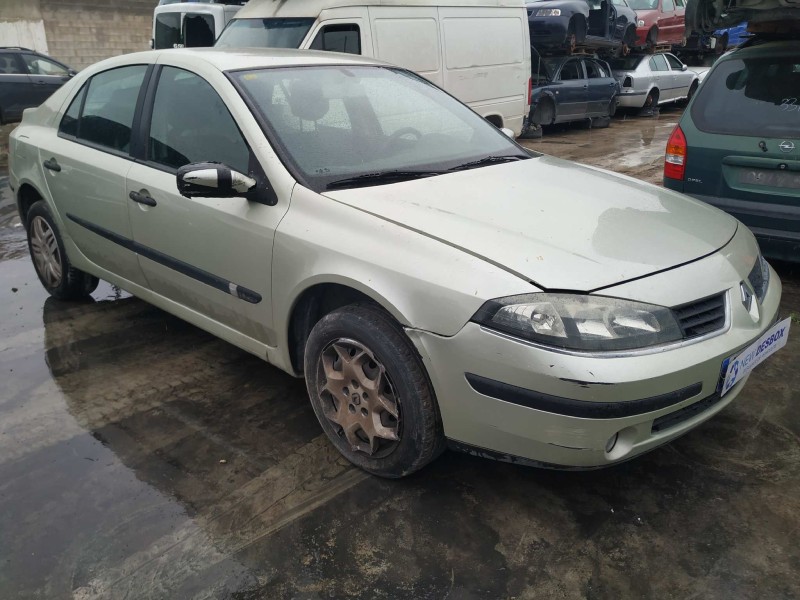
[{"x": 341, "y": 30}]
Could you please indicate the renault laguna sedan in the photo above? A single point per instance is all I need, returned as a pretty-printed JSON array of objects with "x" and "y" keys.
[{"x": 431, "y": 280}]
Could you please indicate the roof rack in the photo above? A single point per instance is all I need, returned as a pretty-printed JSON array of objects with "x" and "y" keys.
[{"x": 16, "y": 48}]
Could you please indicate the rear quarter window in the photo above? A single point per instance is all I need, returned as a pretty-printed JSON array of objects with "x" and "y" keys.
[{"x": 758, "y": 97}]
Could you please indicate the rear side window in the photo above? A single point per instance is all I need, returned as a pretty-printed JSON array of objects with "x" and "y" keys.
[
  {"x": 658, "y": 63},
  {"x": 198, "y": 30},
  {"x": 105, "y": 116},
  {"x": 765, "y": 89},
  {"x": 338, "y": 38},
  {"x": 168, "y": 31},
  {"x": 594, "y": 70}
]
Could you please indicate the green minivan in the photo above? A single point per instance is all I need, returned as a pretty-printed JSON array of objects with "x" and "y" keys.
[{"x": 737, "y": 146}]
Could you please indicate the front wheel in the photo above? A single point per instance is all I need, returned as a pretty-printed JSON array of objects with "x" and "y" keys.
[
  {"x": 58, "y": 276},
  {"x": 370, "y": 392}
]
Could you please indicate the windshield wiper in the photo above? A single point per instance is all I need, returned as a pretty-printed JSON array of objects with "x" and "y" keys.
[
  {"x": 489, "y": 160},
  {"x": 381, "y": 177}
]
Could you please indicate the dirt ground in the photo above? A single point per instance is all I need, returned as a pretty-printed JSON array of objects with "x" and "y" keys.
[{"x": 142, "y": 458}]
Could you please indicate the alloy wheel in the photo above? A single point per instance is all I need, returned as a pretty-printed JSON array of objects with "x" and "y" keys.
[
  {"x": 46, "y": 254},
  {"x": 359, "y": 398}
]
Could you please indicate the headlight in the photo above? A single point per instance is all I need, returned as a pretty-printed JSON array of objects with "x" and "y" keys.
[
  {"x": 640, "y": 23},
  {"x": 759, "y": 278},
  {"x": 548, "y": 12},
  {"x": 580, "y": 322}
]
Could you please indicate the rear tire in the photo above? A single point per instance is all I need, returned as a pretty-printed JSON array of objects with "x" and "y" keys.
[
  {"x": 370, "y": 392},
  {"x": 58, "y": 276}
]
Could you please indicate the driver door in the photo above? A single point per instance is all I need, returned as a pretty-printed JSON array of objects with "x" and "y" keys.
[{"x": 211, "y": 255}]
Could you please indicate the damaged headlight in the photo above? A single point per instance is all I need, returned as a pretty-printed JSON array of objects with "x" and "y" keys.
[{"x": 581, "y": 322}]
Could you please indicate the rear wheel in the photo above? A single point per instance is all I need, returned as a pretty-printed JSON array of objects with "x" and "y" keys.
[
  {"x": 58, "y": 276},
  {"x": 652, "y": 99},
  {"x": 370, "y": 392}
]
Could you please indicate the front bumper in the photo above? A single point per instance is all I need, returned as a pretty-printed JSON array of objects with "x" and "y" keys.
[{"x": 645, "y": 400}]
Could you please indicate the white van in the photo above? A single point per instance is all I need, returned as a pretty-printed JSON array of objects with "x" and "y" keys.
[
  {"x": 193, "y": 24},
  {"x": 478, "y": 50}
]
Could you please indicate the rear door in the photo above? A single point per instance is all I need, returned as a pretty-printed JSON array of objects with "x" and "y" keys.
[
  {"x": 85, "y": 163},
  {"x": 45, "y": 75},
  {"x": 663, "y": 77},
  {"x": 16, "y": 88},
  {"x": 572, "y": 90},
  {"x": 743, "y": 139}
]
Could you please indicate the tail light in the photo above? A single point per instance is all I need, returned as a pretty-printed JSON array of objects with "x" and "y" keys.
[
  {"x": 675, "y": 158},
  {"x": 530, "y": 90},
  {"x": 628, "y": 82}
]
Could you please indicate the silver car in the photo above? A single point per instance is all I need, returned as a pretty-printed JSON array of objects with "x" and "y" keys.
[
  {"x": 649, "y": 80},
  {"x": 352, "y": 224}
]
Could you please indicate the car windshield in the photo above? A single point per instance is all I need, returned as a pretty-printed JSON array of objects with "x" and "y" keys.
[
  {"x": 336, "y": 123},
  {"x": 264, "y": 33},
  {"x": 765, "y": 89},
  {"x": 643, "y": 4},
  {"x": 627, "y": 63}
]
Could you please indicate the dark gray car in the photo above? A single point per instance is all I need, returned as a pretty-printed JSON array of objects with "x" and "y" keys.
[{"x": 27, "y": 79}]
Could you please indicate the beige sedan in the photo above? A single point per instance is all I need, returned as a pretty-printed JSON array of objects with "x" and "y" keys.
[{"x": 433, "y": 281}]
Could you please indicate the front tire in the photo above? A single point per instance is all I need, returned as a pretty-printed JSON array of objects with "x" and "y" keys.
[
  {"x": 58, "y": 276},
  {"x": 371, "y": 393}
]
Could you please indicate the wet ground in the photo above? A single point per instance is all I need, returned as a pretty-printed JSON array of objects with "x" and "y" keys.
[{"x": 142, "y": 458}]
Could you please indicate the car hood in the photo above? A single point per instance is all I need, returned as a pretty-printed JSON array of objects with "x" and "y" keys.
[
  {"x": 647, "y": 15},
  {"x": 556, "y": 223}
]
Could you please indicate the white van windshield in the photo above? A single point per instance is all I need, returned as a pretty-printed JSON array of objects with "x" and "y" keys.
[
  {"x": 264, "y": 33},
  {"x": 350, "y": 126}
]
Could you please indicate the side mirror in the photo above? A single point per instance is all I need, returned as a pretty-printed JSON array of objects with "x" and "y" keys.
[
  {"x": 508, "y": 132},
  {"x": 213, "y": 180},
  {"x": 71, "y": 73},
  {"x": 684, "y": 67}
]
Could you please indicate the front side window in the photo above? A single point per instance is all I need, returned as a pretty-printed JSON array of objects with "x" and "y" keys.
[
  {"x": 334, "y": 123},
  {"x": 766, "y": 90},
  {"x": 674, "y": 63},
  {"x": 38, "y": 65},
  {"x": 264, "y": 33},
  {"x": 108, "y": 108},
  {"x": 9, "y": 64},
  {"x": 338, "y": 38},
  {"x": 667, "y": 6},
  {"x": 571, "y": 71},
  {"x": 191, "y": 124}
]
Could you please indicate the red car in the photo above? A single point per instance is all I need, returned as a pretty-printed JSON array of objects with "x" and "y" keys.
[{"x": 659, "y": 22}]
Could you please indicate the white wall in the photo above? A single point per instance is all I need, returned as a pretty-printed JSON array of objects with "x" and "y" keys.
[{"x": 28, "y": 34}]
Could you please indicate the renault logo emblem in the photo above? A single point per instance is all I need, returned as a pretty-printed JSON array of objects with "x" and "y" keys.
[{"x": 786, "y": 146}]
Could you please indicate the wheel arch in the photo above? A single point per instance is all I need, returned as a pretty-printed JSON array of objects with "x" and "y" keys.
[
  {"x": 495, "y": 119},
  {"x": 27, "y": 195},
  {"x": 546, "y": 96},
  {"x": 319, "y": 298}
]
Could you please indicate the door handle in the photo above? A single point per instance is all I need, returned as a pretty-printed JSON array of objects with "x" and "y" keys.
[
  {"x": 142, "y": 199},
  {"x": 52, "y": 165}
]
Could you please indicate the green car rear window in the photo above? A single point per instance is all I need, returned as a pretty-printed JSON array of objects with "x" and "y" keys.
[{"x": 758, "y": 97}]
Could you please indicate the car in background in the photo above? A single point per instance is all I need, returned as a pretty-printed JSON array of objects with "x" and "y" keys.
[
  {"x": 572, "y": 88},
  {"x": 659, "y": 22},
  {"x": 426, "y": 275},
  {"x": 565, "y": 24},
  {"x": 737, "y": 147},
  {"x": 27, "y": 78},
  {"x": 717, "y": 43},
  {"x": 649, "y": 80},
  {"x": 708, "y": 16}
]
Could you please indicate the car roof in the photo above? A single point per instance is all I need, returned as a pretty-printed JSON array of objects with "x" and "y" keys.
[
  {"x": 231, "y": 59},
  {"x": 260, "y": 9}
]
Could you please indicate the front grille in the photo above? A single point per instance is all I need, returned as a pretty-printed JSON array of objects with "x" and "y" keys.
[{"x": 702, "y": 316}]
